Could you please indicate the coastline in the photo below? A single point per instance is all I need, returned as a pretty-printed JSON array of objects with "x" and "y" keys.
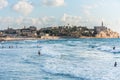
[
  {"x": 17, "y": 39},
  {"x": 29, "y": 38},
  {"x": 47, "y": 38}
]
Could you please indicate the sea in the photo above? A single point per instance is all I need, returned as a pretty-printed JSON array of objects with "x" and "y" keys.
[{"x": 62, "y": 59}]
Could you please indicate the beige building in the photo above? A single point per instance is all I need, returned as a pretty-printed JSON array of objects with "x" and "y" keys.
[{"x": 98, "y": 29}]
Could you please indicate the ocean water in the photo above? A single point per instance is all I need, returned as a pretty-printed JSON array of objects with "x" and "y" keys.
[{"x": 63, "y": 59}]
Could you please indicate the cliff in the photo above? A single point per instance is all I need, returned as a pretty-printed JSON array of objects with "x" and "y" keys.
[{"x": 107, "y": 34}]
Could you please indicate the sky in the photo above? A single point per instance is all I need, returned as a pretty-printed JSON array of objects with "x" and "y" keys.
[{"x": 45, "y": 13}]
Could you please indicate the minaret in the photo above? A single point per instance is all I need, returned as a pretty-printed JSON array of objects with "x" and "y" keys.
[
  {"x": 8, "y": 27},
  {"x": 102, "y": 24},
  {"x": 24, "y": 27}
]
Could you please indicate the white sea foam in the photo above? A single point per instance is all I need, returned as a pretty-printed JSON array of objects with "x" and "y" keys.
[
  {"x": 63, "y": 60},
  {"x": 92, "y": 65}
]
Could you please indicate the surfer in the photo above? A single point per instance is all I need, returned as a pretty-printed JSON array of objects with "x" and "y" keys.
[
  {"x": 39, "y": 53},
  {"x": 115, "y": 64},
  {"x": 114, "y": 48}
]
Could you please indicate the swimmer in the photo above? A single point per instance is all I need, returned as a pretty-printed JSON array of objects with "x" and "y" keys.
[
  {"x": 115, "y": 64},
  {"x": 39, "y": 53},
  {"x": 113, "y": 48}
]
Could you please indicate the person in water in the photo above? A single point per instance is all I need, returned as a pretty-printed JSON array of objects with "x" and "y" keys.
[
  {"x": 114, "y": 48},
  {"x": 115, "y": 64},
  {"x": 39, "y": 53}
]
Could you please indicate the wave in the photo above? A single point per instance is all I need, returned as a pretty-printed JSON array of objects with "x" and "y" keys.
[
  {"x": 65, "y": 75},
  {"x": 88, "y": 70},
  {"x": 58, "y": 67},
  {"x": 109, "y": 49}
]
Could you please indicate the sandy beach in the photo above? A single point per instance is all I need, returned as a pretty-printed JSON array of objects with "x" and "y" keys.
[
  {"x": 15, "y": 39},
  {"x": 27, "y": 38}
]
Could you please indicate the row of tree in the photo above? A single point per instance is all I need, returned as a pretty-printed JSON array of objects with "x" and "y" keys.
[{"x": 67, "y": 31}]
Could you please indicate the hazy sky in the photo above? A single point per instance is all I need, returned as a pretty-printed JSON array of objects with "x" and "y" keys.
[{"x": 41, "y": 13}]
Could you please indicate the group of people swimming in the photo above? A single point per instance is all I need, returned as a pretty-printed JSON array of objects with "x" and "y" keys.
[
  {"x": 15, "y": 46},
  {"x": 39, "y": 53},
  {"x": 8, "y": 47}
]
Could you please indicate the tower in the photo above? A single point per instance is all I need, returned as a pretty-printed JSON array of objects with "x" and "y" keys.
[
  {"x": 102, "y": 24},
  {"x": 24, "y": 27}
]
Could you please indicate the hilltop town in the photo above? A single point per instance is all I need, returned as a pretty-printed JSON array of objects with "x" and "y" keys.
[{"x": 58, "y": 32}]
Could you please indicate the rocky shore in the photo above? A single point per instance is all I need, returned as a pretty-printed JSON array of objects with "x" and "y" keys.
[{"x": 107, "y": 34}]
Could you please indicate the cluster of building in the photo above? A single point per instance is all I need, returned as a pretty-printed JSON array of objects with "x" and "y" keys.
[
  {"x": 61, "y": 31},
  {"x": 24, "y": 32}
]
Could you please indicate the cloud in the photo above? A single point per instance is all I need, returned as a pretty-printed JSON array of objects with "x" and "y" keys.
[
  {"x": 3, "y": 3},
  {"x": 9, "y": 20},
  {"x": 40, "y": 21},
  {"x": 72, "y": 20},
  {"x": 21, "y": 21},
  {"x": 88, "y": 8},
  {"x": 23, "y": 7},
  {"x": 53, "y": 2},
  {"x": 48, "y": 19},
  {"x": 44, "y": 21}
]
